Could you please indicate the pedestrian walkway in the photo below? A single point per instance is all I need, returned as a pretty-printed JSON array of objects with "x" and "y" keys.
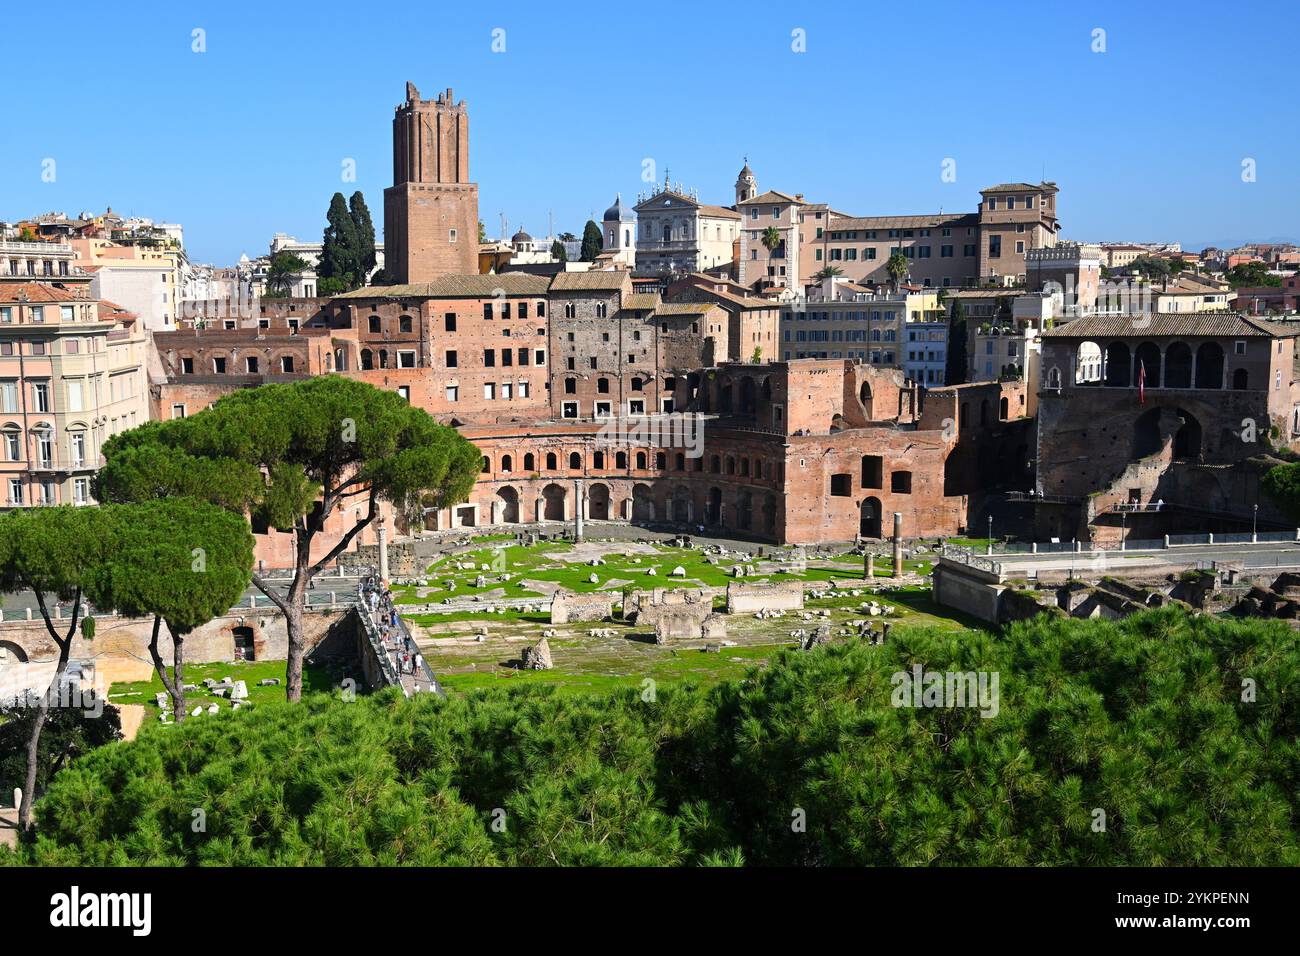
[{"x": 405, "y": 662}]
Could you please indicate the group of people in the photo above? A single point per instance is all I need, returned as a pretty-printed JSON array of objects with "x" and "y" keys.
[{"x": 401, "y": 650}]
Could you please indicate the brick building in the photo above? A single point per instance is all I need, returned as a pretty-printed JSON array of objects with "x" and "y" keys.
[
  {"x": 431, "y": 210},
  {"x": 1134, "y": 409}
]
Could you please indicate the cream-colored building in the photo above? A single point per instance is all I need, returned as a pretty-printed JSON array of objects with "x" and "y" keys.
[
  {"x": 147, "y": 281},
  {"x": 773, "y": 263},
  {"x": 72, "y": 373},
  {"x": 676, "y": 233}
]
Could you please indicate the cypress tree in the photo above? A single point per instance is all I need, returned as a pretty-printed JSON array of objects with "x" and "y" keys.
[
  {"x": 591, "y": 242},
  {"x": 365, "y": 236},
  {"x": 338, "y": 258}
]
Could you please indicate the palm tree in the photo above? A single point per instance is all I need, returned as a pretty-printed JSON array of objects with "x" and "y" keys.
[
  {"x": 828, "y": 272},
  {"x": 898, "y": 267},
  {"x": 284, "y": 266},
  {"x": 771, "y": 239}
]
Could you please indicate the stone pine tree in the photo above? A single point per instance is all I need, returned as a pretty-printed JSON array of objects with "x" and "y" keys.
[
  {"x": 336, "y": 270},
  {"x": 592, "y": 243},
  {"x": 360, "y": 212},
  {"x": 296, "y": 457},
  {"x": 51, "y": 552},
  {"x": 180, "y": 561}
]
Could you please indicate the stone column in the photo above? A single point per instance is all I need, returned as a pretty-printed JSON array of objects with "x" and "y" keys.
[
  {"x": 383, "y": 549},
  {"x": 898, "y": 544},
  {"x": 579, "y": 506},
  {"x": 869, "y": 566}
]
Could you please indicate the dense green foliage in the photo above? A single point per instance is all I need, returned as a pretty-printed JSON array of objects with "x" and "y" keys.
[
  {"x": 1251, "y": 274},
  {"x": 284, "y": 266},
  {"x": 68, "y": 733},
  {"x": 1143, "y": 719},
  {"x": 593, "y": 241},
  {"x": 348, "y": 247},
  {"x": 1282, "y": 484}
]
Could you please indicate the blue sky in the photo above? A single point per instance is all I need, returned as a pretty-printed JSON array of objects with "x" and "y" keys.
[{"x": 1146, "y": 140}]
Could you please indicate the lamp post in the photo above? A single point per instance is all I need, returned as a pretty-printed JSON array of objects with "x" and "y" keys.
[
  {"x": 990, "y": 534},
  {"x": 1254, "y": 523},
  {"x": 1122, "y": 515}
]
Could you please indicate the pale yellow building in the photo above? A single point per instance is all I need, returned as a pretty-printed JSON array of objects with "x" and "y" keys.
[{"x": 72, "y": 373}]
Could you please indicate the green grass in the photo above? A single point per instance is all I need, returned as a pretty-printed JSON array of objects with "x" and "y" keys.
[{"x": 142, "y": 692}]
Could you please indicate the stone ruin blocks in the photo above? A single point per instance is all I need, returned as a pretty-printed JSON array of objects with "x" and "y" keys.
[
  {"x": 746, "y": 598},
  {"x": 570, "y": 606}
]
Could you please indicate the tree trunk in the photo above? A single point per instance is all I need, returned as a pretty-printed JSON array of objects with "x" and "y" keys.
[
  {"x": 173, "y": 688},
  {"x": 43, "y": 708},
  {"x": 297, "y": 650},
  {"x": 178, "y": 672}
]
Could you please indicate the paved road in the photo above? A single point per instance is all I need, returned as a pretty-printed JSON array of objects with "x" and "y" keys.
[{"x": 1284, "y": 554}]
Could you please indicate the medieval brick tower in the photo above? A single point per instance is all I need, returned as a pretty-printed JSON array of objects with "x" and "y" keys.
[{"x": 431, "y": 210}]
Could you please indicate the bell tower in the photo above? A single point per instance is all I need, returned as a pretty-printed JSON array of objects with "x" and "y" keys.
[
  {"x": 431, "y": 210},
  {"x": 746, "y": 184}
]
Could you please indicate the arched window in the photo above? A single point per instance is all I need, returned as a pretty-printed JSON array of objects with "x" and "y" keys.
[
  {"x": 598, "y": 459},
  {"x": 383, "y": 358},
  {"x": 487, "y": 464},
  {"x": 680, "y": 462},
  {"x": 506, "y": 463},
  {"x": 404, "y": 324},
  {"x": 530, "y": 463},
  {"x": 640, "y": 460},
  {"x": 715, "y": 465},
  {"x": 575, "y": 461},
  {"x": 550, "y": 461},
  {"x": 367, "y": 360},
  {"x": 661, "y": 461},
  {"x": 620, "y": 459}
]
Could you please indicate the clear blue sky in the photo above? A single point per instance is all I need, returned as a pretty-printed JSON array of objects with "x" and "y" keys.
[{"x": 1146, "y": 140}]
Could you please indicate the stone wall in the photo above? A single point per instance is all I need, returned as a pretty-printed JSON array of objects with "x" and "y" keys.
[
  {"x": 570, "y": 606},
  {"x": 748, "y": 598}
]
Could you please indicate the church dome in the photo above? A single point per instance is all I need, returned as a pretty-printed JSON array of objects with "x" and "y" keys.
[
  {"x": 616, "y": 212},
  {"x": 521, "y": 236}
]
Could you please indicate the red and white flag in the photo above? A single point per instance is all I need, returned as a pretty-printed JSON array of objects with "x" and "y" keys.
[{"x": 1142, "y": 382}]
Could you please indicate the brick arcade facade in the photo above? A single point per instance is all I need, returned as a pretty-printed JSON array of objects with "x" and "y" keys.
[
  {"x": 1162, "y": 408},
  {"x": 803, "y": 452}
]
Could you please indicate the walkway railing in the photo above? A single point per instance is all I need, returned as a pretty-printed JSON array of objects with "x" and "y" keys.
[{"x": 400, "y": 662}]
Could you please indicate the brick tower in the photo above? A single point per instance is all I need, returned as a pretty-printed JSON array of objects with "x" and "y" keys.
[{"x": 431, "y": 210}]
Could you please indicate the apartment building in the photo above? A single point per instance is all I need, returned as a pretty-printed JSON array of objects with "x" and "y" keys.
[{"x": 72, "y": 373}]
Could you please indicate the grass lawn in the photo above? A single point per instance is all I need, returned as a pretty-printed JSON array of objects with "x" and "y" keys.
[{"x": 142, "y": 692}]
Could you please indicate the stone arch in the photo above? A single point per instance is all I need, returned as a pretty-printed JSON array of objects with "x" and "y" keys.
[
  {"x": 13, "y": 650},
  {"x": 1146, "y": 434},
  {"x": 1004, "y": 408},
  {"x": 1148, "y": 360},
  {"x": 744, "y": 510},
  {"x": 1119, "y": 365},
  {"x": 620, "y": 460},
  {"x": 1187, "y": 440},
  {"x": 598, "y": 502},
  {"x": 530, "y": 462},
  {"x": 869, "y": 518},
  {"x": 1178, "y": 365},
  {"x": 1087, "y": 364},
  {"x": 575, "y": 461},
  {"x": 1053, "y": 377},
  {"x": 713, "y": 508},
  {"x": 551, "y": 461},
  {"x": 1209, "y": 365},
  {"x": 1240, "y": 380},
  {"x": 553, "y": 497},
  {"x": 507, "y": 464},
  {"x": 747, "y": 395},
  {"x": 643, "y": 505},
  {"x": 864, "y": 396},
  {"x": 724, "y": 395},
  {"x": 640, "y": 461},
  {"x": 367, "y": 360},
  {"x": 769, "y": 513},
  {"x": 682, "y": 511},
  {"x": 508, "y": 500}
]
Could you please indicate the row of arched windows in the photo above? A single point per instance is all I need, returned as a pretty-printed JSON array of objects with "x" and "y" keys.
[{"x": 741, "y": 466}]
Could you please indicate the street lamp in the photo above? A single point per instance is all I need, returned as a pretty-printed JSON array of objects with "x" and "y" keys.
[
  {"x": 990, "y": 534},
  {"x": 1254, "y": 523},
  {"x": 1122, "y": 515}
]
